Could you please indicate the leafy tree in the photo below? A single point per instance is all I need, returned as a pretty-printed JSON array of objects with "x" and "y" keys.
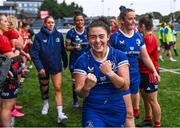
[
  {"x": 52, "y": 7},
  {"x": 60, "y": 10},
  {"x": 157, "y": 15},
  {"x": 177, "y": 16}
]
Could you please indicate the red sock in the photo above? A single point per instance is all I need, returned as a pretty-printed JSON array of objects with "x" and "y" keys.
[
  {"x": 157, "y": 124},
  {"x": 136, "y": 112},
  {"x": 147, "y": 117}
]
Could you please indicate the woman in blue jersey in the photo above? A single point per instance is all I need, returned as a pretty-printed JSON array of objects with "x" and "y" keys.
[
  {"x": 76, "y": 43},
  {"x": 102, "y": 79},
  {"x": 132, "y": 44},
  {"x": 47, "y": 53}
]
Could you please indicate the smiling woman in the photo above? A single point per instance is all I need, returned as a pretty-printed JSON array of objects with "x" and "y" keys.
[{"x": 97, "y": 73}]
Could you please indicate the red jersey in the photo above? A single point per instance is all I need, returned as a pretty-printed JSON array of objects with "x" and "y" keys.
[
  {"x": 11, "y": 34},
  {"x": 5, "y": 45},
  {"x": 26, "y": 36},
  {"x": 151, "y": 43},
  {"x": 113, "y": 30}
]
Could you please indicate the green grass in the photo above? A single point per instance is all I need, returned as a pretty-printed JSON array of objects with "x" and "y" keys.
[{"x": 29, "y": 97}]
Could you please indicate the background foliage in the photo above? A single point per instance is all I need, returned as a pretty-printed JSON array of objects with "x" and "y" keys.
[{"x": 60, "y": 10}]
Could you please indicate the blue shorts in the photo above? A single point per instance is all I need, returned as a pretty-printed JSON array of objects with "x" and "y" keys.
[
  {"x": 104, "y": 114},
  {"x": 168, "y": 46},
  {"x": 134, "y": 83}
]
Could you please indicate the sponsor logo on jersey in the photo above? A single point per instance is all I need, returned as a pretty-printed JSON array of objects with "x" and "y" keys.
[
  {"x": 121, "y": 42},
  {"x": 103, "y": 78},
  {"x": 90, "y": 69}
]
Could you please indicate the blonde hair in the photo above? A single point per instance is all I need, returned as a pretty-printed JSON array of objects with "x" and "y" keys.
[{"x": 13, "y": 22}]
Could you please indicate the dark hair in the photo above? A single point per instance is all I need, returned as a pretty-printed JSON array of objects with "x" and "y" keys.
[
  {"x": 100, "y": 22},
  {"x": 47, "y": 17},
  {"x": 123, "y": 13},
  {"x": 77, "y": 13},
  {"x": 167, "y": 20},
  {"x": 147, "y": 21},
  {"x": 24, "y": 24}
]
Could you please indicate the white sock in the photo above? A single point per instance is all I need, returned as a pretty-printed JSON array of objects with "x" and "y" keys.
[
  {"x": 59, "y": 109},
  {"x": 45, "y": 102}
]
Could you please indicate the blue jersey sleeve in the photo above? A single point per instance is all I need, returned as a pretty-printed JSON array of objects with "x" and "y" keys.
[
  {"x": 69, "y": 36},
  {"x": 81, "y": 64},
  {"x": 112, "y": 40},
  {"x": 142, "y": 45},
  {"x": 121, "y": 58}
]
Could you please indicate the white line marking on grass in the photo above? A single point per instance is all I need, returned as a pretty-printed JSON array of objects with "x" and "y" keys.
[{"x": 169, "y": 70}]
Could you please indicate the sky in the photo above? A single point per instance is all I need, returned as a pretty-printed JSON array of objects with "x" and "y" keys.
[{"x": 111, "y": 7}]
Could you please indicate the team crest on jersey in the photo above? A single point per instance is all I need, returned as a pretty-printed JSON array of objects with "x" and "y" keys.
[
  {"x": 103, "y": 78},
  {"x": 90, "y": 69},
  {"x": 57, "y": 40},
  {"x": 121, "y": 42},
  {"x": 44, "y": 41},
  {"x": 138, "y": 42},
  {"x": 131, "y": 48}
]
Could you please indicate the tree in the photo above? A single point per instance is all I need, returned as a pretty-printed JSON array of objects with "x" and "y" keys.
[
  {"x": 52, "y": 7},
  {"x": 177, "y": 16},
  {"x": 157, "y": 15},
  {"x": 60, "y": 10}
]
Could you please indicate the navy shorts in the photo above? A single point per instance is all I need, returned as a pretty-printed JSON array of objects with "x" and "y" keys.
[
  {"x": 168, "y": 46},
  {"x": 146, "y": 85},
  {"x": 10, "y": 89},
  {"x": 104, "y": 114}
]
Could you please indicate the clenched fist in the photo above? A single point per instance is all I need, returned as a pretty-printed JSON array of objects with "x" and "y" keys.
[
  {"x": 106, "y": 67},
  {"x": 90, "y": 81}
]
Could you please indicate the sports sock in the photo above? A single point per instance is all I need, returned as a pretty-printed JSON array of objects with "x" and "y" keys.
[
  {"x": 157, "y": 124},
  {"x": 136, "y": 112},
  {"x": 45, "y": 102},
  {"x": 147, "y": 117},
  {"x": 59, "y": 110}
]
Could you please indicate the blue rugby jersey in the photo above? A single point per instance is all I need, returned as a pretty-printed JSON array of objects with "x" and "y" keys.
[
  {"x": 104, "y": 90},
  {"x": 130, "y": 45},
  {"x": 75, "y": 37}
]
